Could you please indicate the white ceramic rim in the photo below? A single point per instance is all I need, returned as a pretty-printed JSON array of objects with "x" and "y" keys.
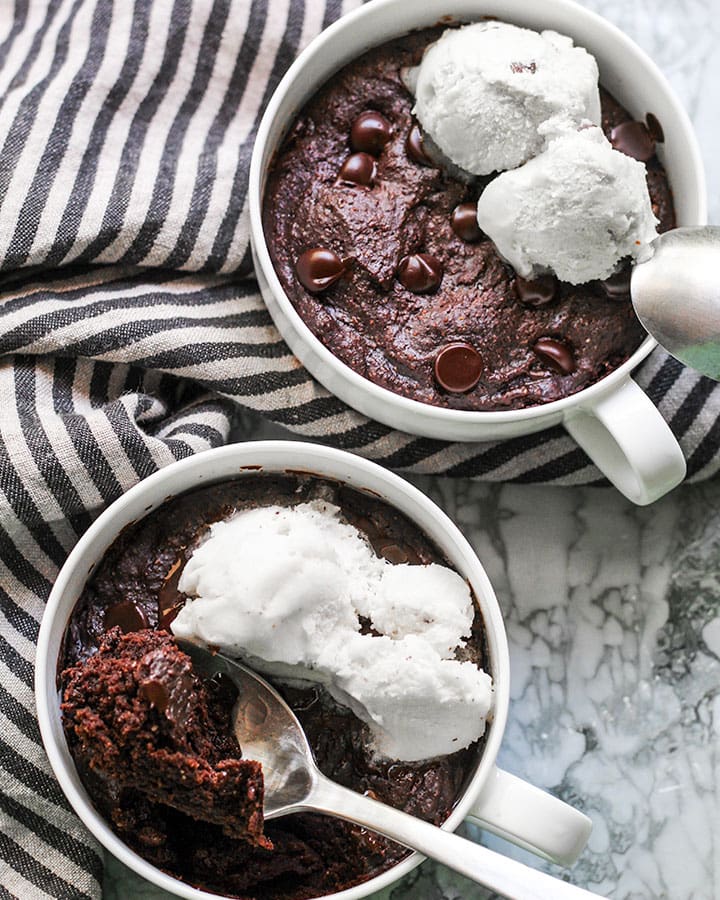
[
  {"x": 244, "y": 458},
  {"x": 376, "y": 393}
]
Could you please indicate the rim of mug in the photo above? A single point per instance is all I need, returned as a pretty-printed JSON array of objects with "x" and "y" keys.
[
  {"x": 379, "y": 394},
  {"x": 246, "y": 457}
]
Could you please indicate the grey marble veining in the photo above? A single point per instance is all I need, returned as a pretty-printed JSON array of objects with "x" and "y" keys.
[
  {"x": 612, "y": 613},
  {"x": 683, "y": 38}
]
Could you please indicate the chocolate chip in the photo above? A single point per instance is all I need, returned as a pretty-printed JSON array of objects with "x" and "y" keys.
[
  {"x": 458, "y": 367},
  {"x": 370, "y": 132},
  {"x": 617, "y": 286},
  {"x": 169, "y": 615},
  {"x": 420, "y": 273},
  {"x": 556, "y": 354},
  {"x": 463, "y": 222},
  {"x": 538, "y": 292},
  {"x": 127, "y": 616},
  {"x": 655, "y": 128},
  {"x": 633, "y": 139},
  {"x": 318, "y": 269},
  {"x": 168, "y": 685},
  {"x": 415, "y": 147},
  {"x": 169, "y": 597},
  {"x": 157, "y": 694},
  {"x": 359, "y": 168}
]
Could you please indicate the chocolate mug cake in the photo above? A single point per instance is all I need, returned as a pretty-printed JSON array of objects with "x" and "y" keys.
[
  {"x": 152, "y": 739},
  {"x": 379, "y": 250}
]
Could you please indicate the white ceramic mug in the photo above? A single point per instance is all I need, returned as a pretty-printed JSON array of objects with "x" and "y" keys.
[
  {"x": 500, "y": 802},
  {"x": 613, "y": 420}
]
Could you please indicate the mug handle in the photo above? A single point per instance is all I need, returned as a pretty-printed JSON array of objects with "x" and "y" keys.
[
  {"x": 627, "y": 438},
  {"x": 531, "y": 818}
]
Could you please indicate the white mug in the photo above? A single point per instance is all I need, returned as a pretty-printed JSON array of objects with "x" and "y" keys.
[
  {"x": 499, "y": 801},
  {"x": 613, "y": 420}
]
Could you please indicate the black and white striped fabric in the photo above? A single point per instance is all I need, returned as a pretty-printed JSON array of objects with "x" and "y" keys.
[{"x": 131, "y": 330}]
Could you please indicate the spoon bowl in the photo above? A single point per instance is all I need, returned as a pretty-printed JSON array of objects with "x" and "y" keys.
[
  {"x": 676, "y": 296},
  {"x": 268, "y": 731}
]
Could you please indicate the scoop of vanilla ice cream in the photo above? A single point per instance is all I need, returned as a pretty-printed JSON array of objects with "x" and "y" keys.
[
  {"x": 284, "y": 587},
  {"x": 406, "y": 603},
  {"x": 490, "y": 95},
  {"x": 577, "y": 209},
  {"x": 416, "y": 707},
  {"x": 276, "y": 581}
]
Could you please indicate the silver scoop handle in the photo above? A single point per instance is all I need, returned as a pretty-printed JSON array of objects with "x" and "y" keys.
[{"x": 508, "y": 877}]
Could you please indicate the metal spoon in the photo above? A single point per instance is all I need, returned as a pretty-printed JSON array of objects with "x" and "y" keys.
[
  {"x": 676, "y": 295},
  {"x": 267, "y": 731}
]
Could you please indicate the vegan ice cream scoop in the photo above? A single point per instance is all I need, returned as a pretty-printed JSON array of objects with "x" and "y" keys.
[
  {"x": 286, "y": 587},
  {"x": 576, "y": 209},
  {"x": 497, "y": 98},
  {"x": 491, "y": 95}
]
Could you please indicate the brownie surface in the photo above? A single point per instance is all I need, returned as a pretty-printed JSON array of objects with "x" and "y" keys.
[
  {"x": 135, "y": 587},
  {"x": 367, "y": 318}
]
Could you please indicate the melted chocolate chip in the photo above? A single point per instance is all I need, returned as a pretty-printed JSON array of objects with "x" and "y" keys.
[
  {"x": 617, "y": 286},
  {"x": 169, "y": 616},
  {"x": 538, "y": 292},
  {"x": 463, "y": 222},
  {"x": 633, "y": 139},
  {"x": 458, "y": 367},
  {"x": 318, "y": 269},
  {"x": 169, "y": 597},
  {"x": 359, "y": 168},
  {"x": 420, "y": 273},
  {"x": 654, "y": 128},
  {"x": 168, "y": 686},
  {"x": 126, "y": 615},
  {"x": 370, "y": 132},
  {"x": 415, "y": 147},
  {"x": 556, "y": 354},
  {"x": 157, "y": 694},
  {"x": 179, "y": 708}
]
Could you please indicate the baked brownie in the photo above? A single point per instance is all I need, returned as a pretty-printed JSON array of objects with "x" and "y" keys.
[
  {"x": 406, "y": 272},
  {"x": 139, "y": 718},
  {"x": 135, "y": 589}
]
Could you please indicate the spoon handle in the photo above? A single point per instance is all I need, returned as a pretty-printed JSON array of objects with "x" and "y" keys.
[{"x": 493, "y": 870}]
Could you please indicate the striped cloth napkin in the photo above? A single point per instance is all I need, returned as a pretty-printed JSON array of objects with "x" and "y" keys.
[{"x": 131, "y": 329}]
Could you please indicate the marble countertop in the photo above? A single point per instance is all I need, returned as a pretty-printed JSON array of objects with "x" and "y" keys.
[{"x": 612, "y": 613}]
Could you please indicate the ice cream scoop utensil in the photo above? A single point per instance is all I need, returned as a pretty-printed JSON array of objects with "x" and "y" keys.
[
  {"x": 676, "y": 295},
  {"x": 268, "y": 731}
]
